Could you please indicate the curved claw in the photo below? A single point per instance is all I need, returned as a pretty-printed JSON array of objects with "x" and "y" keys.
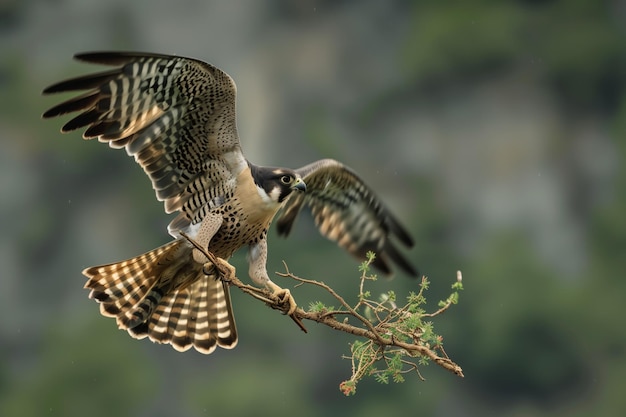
[
  {"x": 219, "y": 266},
  {"x": 285, "y": 297}
]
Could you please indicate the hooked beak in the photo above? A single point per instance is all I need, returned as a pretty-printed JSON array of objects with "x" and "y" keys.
[{"x": 299, "y": 185}]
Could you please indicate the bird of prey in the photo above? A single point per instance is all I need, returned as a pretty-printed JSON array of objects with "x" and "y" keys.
[{"x": 176, "y": 117}]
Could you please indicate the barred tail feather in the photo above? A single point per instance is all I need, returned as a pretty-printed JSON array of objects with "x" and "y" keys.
[
  {"x": 164, "y": 295},
  {"x": 199, "y": 315}
]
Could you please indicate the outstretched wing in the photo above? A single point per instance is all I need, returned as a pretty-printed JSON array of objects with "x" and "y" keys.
[
  {"x": 175, "y": 115},
  {"x": 346, "y": 210}
]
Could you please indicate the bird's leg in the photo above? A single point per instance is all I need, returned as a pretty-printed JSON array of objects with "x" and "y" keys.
[
  {"x": 284, "y": 296},
  {"x": 209, "y": 226},
  {"x": 257, "y": 259}
]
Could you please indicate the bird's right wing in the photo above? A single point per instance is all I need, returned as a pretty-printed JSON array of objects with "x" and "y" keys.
[{"x": 175, "y": 115}]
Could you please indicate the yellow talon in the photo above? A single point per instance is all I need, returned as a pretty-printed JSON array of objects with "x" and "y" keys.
[{"x": 284, "y": 295}]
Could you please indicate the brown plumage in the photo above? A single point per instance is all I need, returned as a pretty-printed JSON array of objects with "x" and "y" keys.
[
  {"x": 176, "y": 117},
  {"x": 347, "y": 211},
  {"x": 174, "y": 306}
]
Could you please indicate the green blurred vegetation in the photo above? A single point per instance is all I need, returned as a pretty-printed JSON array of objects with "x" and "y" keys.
[{"x": 533, "y": 338}]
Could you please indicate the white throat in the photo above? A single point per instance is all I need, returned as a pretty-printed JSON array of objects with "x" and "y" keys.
[{"x": 270, "y": 200}]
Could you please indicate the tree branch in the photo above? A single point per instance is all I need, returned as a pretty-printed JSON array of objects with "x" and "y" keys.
[{"x": 397, "y": 337}]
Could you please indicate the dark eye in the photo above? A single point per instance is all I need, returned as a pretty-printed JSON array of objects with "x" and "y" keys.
[{"x": 285, "y": 179}]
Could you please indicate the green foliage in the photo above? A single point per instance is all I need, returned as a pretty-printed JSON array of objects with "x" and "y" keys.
[
  {"x": 319, "y": 307},
  {"x": 405, "y": 325}
]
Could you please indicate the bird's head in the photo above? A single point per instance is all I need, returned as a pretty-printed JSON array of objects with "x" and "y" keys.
[{"x": 278, "y": 183}]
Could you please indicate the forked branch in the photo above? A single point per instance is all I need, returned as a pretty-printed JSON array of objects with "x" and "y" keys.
[{"x": 396, "y": 337}]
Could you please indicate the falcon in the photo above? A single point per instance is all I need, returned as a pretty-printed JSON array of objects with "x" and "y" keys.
[{"x": 176, "y": 117}]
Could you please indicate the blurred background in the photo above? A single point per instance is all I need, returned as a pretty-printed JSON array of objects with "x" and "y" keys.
[{"x": 495, "y": 130}]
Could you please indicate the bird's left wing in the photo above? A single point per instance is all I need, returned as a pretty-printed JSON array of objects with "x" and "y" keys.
[
  {"x": 175, "y": 115},
  {"x": 347, "y": 211}
]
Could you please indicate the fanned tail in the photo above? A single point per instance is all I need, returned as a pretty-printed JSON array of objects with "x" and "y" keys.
[{"x": 164, "y": 295}]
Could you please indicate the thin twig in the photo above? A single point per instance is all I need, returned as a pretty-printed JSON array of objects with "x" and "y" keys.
[
  {"x": 369, "y": 332},
  {"x": 339, "y": 298}
]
